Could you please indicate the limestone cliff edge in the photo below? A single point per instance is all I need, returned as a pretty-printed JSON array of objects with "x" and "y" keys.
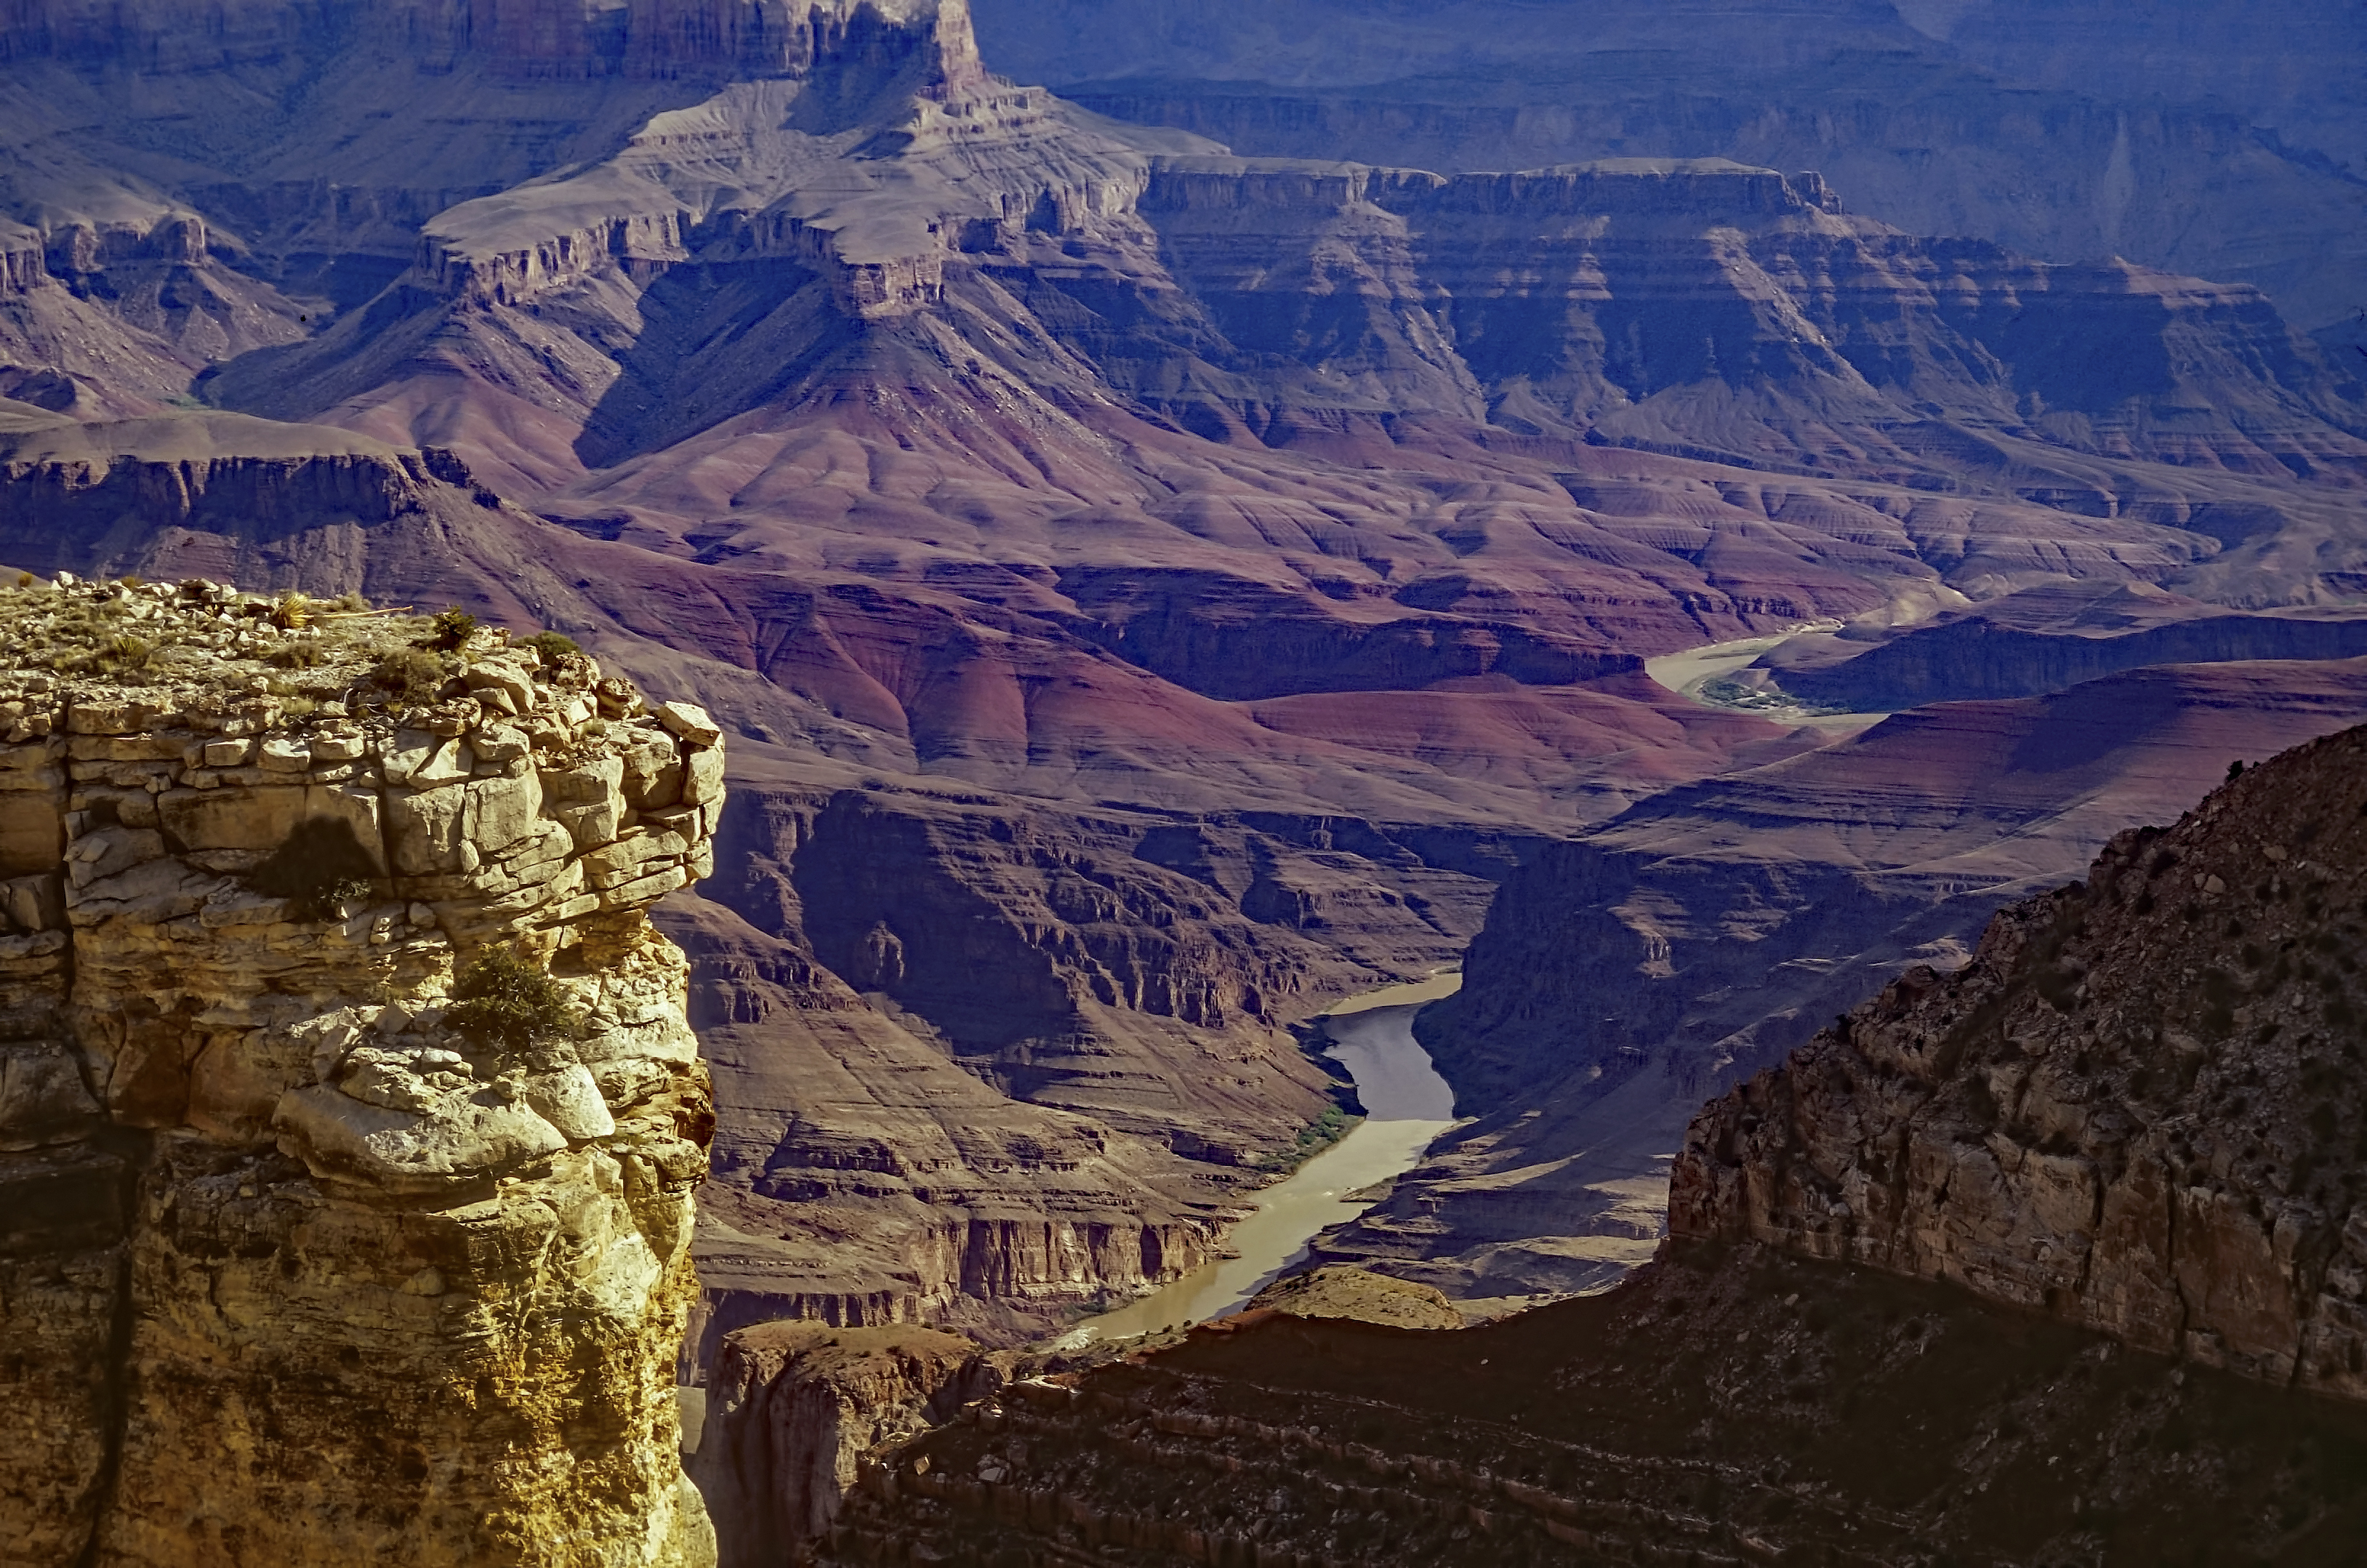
[{"x": 303, "y": 1257}]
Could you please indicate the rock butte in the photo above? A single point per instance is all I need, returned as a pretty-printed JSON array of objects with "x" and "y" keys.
[{"x": 291, "y": 1270}]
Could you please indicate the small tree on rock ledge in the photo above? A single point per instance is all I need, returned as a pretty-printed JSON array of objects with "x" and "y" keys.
[{"x": 506, "y": 1000}]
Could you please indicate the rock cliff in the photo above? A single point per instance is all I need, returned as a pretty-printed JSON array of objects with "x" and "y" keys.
[
  {"x": 348, "y": 1112},
  {"x": 1975, "y": 657},
  {"x": 520, "y": 39},
  {"x": 795, "y": 1409},
  {"x": 2134, "y": 1110},
  {"x": 2067, "y": 132}
]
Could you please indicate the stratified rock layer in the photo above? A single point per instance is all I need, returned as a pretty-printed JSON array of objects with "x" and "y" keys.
[
  {"x": 794, "y": 1409},
  {"x": 294, "y": 1270},
  {"x": 2138, "y": 1109}
]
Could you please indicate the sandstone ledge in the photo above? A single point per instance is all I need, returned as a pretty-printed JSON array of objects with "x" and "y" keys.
[{"x": 423, "y": 1288}]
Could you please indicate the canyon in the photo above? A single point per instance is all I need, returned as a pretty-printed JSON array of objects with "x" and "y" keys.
[
  {"x": 2038, "y": 1259},
  {"x": 1159, "y": 577}
]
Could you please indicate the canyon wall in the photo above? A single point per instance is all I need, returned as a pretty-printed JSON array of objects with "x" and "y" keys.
[
  {"x": 796, "y": 1410},
  {"x": 1976, "y": 658},
  {"x": 524, "y": 38},
  {"x": 2134, "y": 1108},
  {"x": 2140, "y": 121},
  {"x": 1694, "y": 942},
  {"x": 985, "y": 1065},
  {"x": 349, "y": 1108}
]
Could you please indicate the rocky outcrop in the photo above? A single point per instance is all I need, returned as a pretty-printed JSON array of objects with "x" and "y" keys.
[
  {"x": 1360, "y": 1296},
  {"x": 67, "y": 488},
  {"x": 346, "y": 1095},
  {"x": 2132, "y": 1110},
  {"x": 795, "y": 1409}
]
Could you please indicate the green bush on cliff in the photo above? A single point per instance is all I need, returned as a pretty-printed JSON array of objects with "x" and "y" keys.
[
  {"x": 451, "y": 629},
  {"x": 506, "y": 999},
  {"x": 412, "y": 675},
  {"x": 552, "y": 645}
]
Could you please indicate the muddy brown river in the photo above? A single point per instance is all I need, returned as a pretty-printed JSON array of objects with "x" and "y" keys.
[{"x": 1407, "y": 1105}]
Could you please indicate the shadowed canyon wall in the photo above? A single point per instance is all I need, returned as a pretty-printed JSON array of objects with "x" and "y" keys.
[
  {"x": 1998, "y": 1266},
  {"x": 2131, "y": 1110}
]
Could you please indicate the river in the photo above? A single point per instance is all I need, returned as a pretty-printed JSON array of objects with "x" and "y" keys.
[
  {"x": 1407, "y": 1105},
  {"x": 1688, "y": 673}
]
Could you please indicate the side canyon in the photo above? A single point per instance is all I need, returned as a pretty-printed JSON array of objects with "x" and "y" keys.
[{"x": 2052, "y": 1257}]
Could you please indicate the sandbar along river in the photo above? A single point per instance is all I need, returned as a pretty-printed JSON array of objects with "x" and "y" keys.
[{"x": 1407, "y": 1105}]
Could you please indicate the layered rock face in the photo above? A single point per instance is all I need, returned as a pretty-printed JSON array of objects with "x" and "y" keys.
[
  {"x": 310, "y": 1258},
  {"x": 2134, "y": 1109},
  {"x": 1979, "y": 656},
  {"x": 794, "y": 1409},
  {"x": 1928, "y": 114},
  {"x": 1572, "y": 293},
  {"x": 524, "y": 38},
  {"x": 221, "y": 476},
  {"x": 1010, "y": 1062},
  {"x": 2286, "y": 63}
]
